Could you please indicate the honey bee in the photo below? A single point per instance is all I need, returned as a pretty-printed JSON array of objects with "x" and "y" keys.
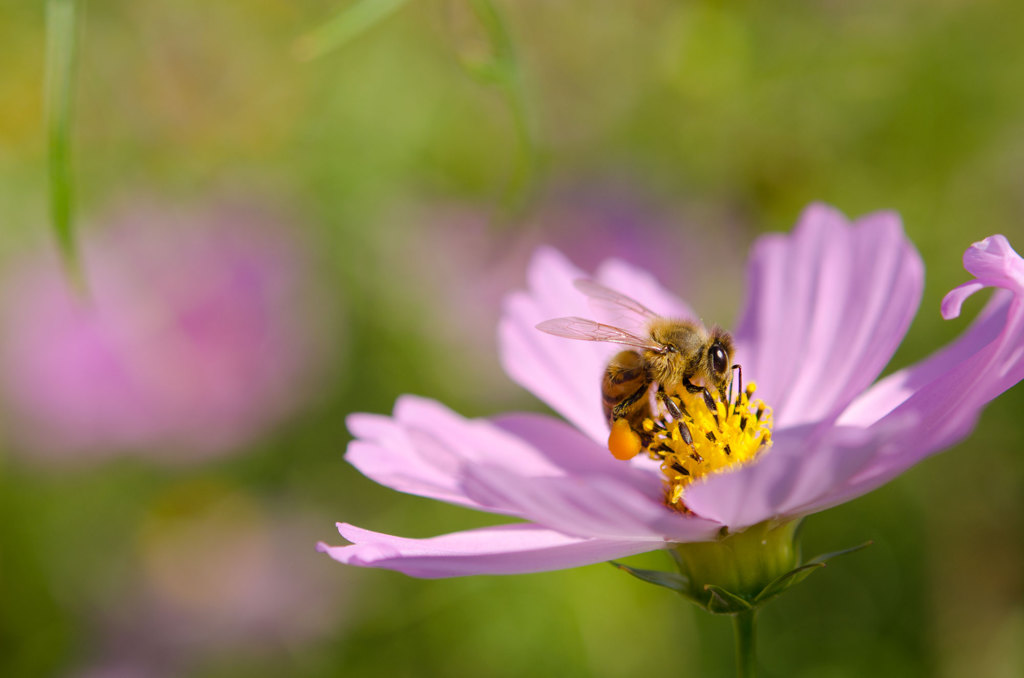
[{"x": 665, "y": 355}]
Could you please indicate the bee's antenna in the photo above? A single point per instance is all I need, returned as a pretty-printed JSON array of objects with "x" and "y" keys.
[{"x": 740, "y": 389}]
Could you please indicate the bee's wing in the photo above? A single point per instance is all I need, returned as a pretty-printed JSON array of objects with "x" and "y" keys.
[
  {"x": 588, "y": 330},
  {"x": 615, "y": 302}
]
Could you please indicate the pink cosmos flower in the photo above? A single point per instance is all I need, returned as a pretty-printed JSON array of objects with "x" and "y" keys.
[
  {"x": 826, "y": 308},
  {"x": 193, "y": 338}
]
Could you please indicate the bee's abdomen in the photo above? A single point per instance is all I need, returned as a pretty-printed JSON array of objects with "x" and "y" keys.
[{"x": 623, "y": 376}]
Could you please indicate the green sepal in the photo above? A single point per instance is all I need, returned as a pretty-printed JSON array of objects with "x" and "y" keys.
[
  {"x": 797, "y": 575},
  {"x": 670, "y": 580},
  {"x": 785, "y": 581},
  {"x": 725, "y": 602},
  {"x": 719, "y": 600},
  {"x": 842, "y": 552}
]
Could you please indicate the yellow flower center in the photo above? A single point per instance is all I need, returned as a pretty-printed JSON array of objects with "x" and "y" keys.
[{"x": 708, "y": 436}]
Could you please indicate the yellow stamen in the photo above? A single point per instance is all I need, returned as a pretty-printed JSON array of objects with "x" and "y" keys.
[{"x": 729, "y": 437}]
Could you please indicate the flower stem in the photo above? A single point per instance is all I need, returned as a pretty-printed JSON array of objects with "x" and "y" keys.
[
  {"x": 506, "y": 72},
  {"x": 746, "y": 661}
]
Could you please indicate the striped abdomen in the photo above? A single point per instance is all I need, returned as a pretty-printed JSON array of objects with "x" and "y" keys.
[{"x": 625, "y": 383}]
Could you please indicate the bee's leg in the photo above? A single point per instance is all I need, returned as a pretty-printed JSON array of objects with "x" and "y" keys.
[
  {"x": 709, "y": 402},
  {"x": 691, "y": 387},
  {"x": 629, "y": 401},
  {"x": 628, "y": 444},
  {"x": 684, "y": 431},
  {"x": 671, "y": 405}
]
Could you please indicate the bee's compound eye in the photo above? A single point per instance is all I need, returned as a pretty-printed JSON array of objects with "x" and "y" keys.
[{"x": 719, "y": 360}]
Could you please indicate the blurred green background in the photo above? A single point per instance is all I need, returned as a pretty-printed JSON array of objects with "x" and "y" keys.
[{"x": 415, "y": 181}]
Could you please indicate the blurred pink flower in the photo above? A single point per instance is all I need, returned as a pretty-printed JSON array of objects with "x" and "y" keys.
[
  {"x": 231, "y": 575},
  {"x": 218, "y": 576},
  {"x": 192, "y": 338},
  {"x": 613, "y": 219},
  {"x": 826, "y": 308}
]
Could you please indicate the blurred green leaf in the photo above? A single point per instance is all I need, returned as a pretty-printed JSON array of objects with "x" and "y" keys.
[{"x": 59, "y": 84}]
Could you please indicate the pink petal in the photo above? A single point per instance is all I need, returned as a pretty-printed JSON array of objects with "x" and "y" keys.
[
  {"x": 506, "y": 549},
  {"x": 826, "y": 308},
  {"x": 428, "y": 450},
  {"x": 891, "y": 392},
  {"x": 572, "y": 453},
  {"x": 564, "y": 374},
  {"x": 948, "y": 391},
  {"x": 911, "y": 414},
  {"x": 952, "y": 302},
  {"x": 593, "y": 494},
  {"x": 425, "y": 447},
  {"x": 406, "y": 457},
  {"x": 589, "y": 506},
  {"x": 994, "y": 263},
  {"x": 567, "y": 374},
  {"x": 993, "y": 339},
  {"x": 642, "y": 286},
  {"x": 798, "y": 475}
]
